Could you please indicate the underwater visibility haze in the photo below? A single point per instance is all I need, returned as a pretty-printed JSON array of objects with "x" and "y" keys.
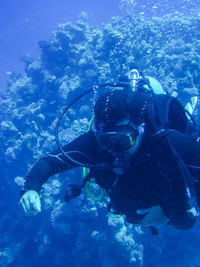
[{"x": 74, "y": 53}]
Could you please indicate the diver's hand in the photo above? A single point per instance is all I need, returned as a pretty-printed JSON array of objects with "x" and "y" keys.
[
  {"x": 154, "y": 217},
  {"x": 30, "y": 202}
]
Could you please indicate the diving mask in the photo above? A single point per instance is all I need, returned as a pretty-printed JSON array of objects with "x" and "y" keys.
[{"x": 115, "y": 140}]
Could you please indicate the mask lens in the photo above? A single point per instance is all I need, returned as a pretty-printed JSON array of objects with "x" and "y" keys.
[{"x": 117, "y": 142}]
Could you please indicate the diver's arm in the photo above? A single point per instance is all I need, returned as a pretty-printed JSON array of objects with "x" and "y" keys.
[
  {"x": 188, "y": 149},
  {"x": 158, "y": 216},
  {"x": 53, "y": 163},
  {"x": 56, "y": 162},
  {"x": 176, "y": 206},
  {"x": 176, "y": 210}
]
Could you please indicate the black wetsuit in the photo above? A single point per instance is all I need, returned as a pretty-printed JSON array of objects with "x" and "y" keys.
[{"x": 153, "y": 177}]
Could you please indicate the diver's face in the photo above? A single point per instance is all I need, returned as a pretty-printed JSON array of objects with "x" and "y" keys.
[{"x": 118, "y": 138}]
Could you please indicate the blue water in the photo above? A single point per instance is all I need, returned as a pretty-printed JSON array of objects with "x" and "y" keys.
[
  {"x": 162, "y": 37},
  {"x": 24, "y": 23}
]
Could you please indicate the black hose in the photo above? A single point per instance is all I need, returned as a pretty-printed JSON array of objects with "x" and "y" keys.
[{"x": 66, "y": 154}]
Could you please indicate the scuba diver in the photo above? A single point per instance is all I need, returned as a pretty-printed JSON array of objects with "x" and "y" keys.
[{"x": 142, "y": 148}]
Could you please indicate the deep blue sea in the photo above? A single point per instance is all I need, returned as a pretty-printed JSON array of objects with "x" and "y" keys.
[
  {"x": 51, "y": 52},
  {"x": 24, "y": 23}
]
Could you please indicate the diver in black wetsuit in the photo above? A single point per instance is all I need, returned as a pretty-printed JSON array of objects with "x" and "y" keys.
[{"x": 140, "y": 152}]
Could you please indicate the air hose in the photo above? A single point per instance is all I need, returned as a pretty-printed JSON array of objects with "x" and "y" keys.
[{"x": 67, "y": 154}]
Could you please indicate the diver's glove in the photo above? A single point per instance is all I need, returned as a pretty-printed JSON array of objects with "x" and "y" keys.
[
  {"x": 30, "y": 202},
  {"x": 154, "y": 217}
]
